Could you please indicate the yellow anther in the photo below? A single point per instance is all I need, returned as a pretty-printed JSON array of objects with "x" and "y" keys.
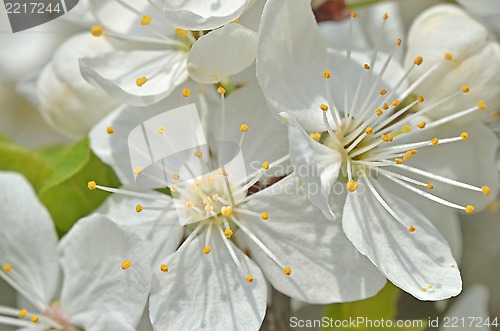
[
  {"x": 354, "y": 14},
  {"x": 265, "y": 165},
  {"x": 207, "y": 249},
  {"x": 161, "y": 130},
  {"x": 464, "y": 135},
  {"x": 413, "y": 151},
  {"x": 215, "y": 197},
  {"x": 486, "y": 190},
  {"x": 407, "y": 155},
  {"x": 323, "y": 107},
  {"x": 206, "y": 200},
  {"x": 164, "y": 268},
  {"x": 469, "y": 209},
  {"x": 327, "y": 74},
  {"x": 126, "y": 264},
  {"x": 249, "y": 278},
  {"x": 176, "y": 176},
  {"x": 137, "y": 171},
  {"x": 387, "y": 137},
  {"x": 221, "y": 90},
  {"x": 422, "y": 125},
  {"x": 226, "y": 211},
  {"x": 421, "y": 99},
  {"x": 385, "y": 17},
  {"x": 352, "y": 185},
  {"x": 379, "y": 112},
  {"x": 211, "y": 180},
  {"x": 35, "y": 319},
  {"x": 398, "y": 160},
  {"x": 399, "y": 42},
  {"x": 141, "y": 81},
  {"x": 287, "y": 271},
  {"x": 448, "y": 56},
  {"x": 366, "y": 66},
  {"x": 139, "y": 208},
  {"x": 424, "y": 289},
  {"x": 264, "y": 216},
  {"x": 406, "y": 128},
  {"x": 383, "y": 91},
  {"x": 110, "y": 130},
  {"x": 395, "y": 103},
  {"x": 174, "y": 188},
  {"x": 186, "y": 92},
  {"x": 198, "y": 154},
  {"x": 189, "y": 204},
  {"x": 411, "y": 229},
  {"x": 418, "y": 60},
  {"x": 7, "y": 267},
  {"x": 181, "y": 32},
  {"x": 23, "y": 313},
  {"x": 435, "y": 141},
  {"x": 430, "y": 186},
  {"x": 481, "y": 105},
  {"x": 209, "y": 208},
  {"x": 97, "y": 30},
  {"x": 244, "y": 128},
  {"x": 228, "y": 233},
  {"x": 146, "y": 20},
  {"x": 369, "y": 130},
  {"x": 315, "y": 136},
  {"x": 465, "y": 89},
  {"x": 385, "y": 106},
  {"x": 92, "y": 185},
  {"x": 224, "y": 172}
]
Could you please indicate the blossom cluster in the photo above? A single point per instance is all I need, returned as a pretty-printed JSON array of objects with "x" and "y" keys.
[{"x": 257, "y": 147}]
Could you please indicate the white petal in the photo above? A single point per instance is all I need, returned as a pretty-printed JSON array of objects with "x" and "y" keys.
[
  {"x": 472, "y": 303},
  {"x": 117, "y": 16},
  {"x": 222, "y": 53},
  {"x": 315, "y": 164},
  {"x": 28, "y": 238},
  {"x": 472, "y": 161},
  {"x": 110, "y": 323},
  {"x": 117, "y": 74},
  {"x": 325, "y": 266},
  {"x": 66, "y": 101},
  {"x": 291, "y": 59},
  {"x": 412, "y": 261},
  {"x": 336, "y": 35},
  {"x": 209, "y": 287},
  {"x": 113, "y": 149},
  {"x": 203, "y": 15},
  {"x": 247, "y": 105},
  {"x": 94, "y": 282},
  {"x": 159, "y": 229}
]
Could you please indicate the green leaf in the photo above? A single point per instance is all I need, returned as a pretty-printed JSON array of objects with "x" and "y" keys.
[
  {"x": 20, "y": 159},
  {"x": 65, "y": 192},
  {"x": 381, "y": 306}
]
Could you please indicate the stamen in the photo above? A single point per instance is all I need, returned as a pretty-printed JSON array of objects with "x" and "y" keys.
[
  {"x": 352, "y": 185},
  {"x": 249, "y": 278},
  {"x": 411, "y": 229},
  {"x": 186, "y": 92},
  {"x": 141, "y": 81},
  {"x": 110, "y": 130},
  {"x": 164, "y": 268},
  {"x": 126, "y": 264},
  {"x": 124, "y": 192},
  {"x": 181, "y": 32},
  {"x": 7, "y": 267},
  {"x": 97, "y": 30},
  {"x": 139, "y": 208},
  {"x": 146, "y": 20},
  {"x": 287, "y": 271},
  {"x": 244, "y": 128},
  {"x": 259, "y": 243},
  {"x": 264, "y": 216}
]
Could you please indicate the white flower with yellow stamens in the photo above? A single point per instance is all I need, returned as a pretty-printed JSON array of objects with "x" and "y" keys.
[
  {"x": 350, "y": 123},
  {"x": 106, "y": 270},
  {"x": 209, "y": 275},
  {"x": 160, "y": 54}
]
